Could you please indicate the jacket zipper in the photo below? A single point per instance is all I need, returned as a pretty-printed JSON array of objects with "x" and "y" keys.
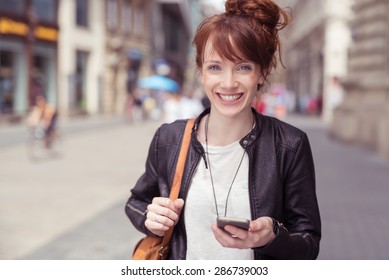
[{"x": 136, "y": 210}]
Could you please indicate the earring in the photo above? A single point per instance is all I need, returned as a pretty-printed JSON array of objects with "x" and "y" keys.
[{"x": 259, "y": 86}]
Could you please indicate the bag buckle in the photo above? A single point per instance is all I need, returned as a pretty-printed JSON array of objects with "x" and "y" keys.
[{"x": 162, "y": 251}]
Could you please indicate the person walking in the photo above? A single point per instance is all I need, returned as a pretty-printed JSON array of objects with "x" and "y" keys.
[
  {"x": 240, "y": 164},
  {"x": 44, "y": 116}
]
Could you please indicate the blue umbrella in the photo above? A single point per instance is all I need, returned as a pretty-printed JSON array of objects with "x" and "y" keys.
[{"x": 158, "y": 82}]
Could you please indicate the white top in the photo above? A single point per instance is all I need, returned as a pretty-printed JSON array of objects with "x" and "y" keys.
[{"x": 200, "y": 211}]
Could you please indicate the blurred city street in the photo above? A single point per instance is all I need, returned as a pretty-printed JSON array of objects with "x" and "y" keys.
[{"x": 72, "y": 206}]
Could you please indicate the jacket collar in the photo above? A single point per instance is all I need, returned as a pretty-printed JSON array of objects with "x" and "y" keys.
[{"x": 245, "y": 142}]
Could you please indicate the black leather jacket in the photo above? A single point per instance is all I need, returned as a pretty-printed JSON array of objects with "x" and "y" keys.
[{"x": 281, "y": 185}]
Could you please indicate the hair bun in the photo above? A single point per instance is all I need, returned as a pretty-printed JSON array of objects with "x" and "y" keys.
[
  {"x": 232, "y": 7},
  {"x": 264, "y": 11}
]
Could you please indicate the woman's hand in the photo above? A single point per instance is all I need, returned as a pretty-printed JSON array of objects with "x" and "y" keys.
[
  {"x": 259, "y": 234},
  {"x": 162, "y": 214}
]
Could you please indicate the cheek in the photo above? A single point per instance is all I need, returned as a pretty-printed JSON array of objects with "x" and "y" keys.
[{"x": 210, "y": 80}]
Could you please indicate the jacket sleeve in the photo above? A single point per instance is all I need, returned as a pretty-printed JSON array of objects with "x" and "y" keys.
[
  {"x": 145, "y": 189},
  {"x": 300, "y": 234}
]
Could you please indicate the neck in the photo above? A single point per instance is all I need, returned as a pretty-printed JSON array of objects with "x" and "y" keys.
[{"x": 222, "y": 130}]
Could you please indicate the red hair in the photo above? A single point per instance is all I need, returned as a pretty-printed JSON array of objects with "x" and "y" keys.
[{"x": 248, "y": 30}]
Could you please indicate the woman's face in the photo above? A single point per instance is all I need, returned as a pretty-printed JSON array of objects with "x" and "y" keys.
[{"x": 230, "y": 85}]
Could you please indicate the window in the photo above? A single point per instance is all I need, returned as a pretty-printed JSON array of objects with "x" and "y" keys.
[
  {"x": 15, "y": 7},
  {"x": 82, "y": 13},
  {"x": 172, "y": 39},
  {"x": 112, "y": 14},
  {"x": 127, "y": 17},
  {"x": 6, "y": 81},
  {"x": 45, "y": 9}
]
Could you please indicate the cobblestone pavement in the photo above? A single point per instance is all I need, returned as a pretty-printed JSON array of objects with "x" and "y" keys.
[{"x": 72, "y": 207}]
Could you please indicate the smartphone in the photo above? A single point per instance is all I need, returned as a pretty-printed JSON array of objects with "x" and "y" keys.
[{"x": 237, "y": 222}]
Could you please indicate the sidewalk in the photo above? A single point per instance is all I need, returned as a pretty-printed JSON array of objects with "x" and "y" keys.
[
  {"x": 353, "y": 195},
  {"x": 11, "y": 134},
  {"x": 43, "y": 200}
]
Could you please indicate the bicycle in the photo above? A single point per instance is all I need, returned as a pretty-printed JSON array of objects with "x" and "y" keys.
[{"x": 41, "y": 145}]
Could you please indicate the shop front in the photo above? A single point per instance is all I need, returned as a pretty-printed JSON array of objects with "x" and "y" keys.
[{"x": 28, "y": 60}]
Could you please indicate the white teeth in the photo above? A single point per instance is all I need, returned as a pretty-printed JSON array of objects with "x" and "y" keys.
[{"x": 230, "y": 98}]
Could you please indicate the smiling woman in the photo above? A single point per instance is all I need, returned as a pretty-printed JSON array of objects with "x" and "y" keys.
[
  {"x": 230, "y": 85},
  {"x": 241, "y": 165}
]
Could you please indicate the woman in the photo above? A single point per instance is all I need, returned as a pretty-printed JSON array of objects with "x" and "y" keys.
[
  {"x": 43, "y": 115},
  {"x": 240, "y": 163}
]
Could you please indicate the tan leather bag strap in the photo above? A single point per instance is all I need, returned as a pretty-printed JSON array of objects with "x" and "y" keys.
[{"x": 178, "y": 174}]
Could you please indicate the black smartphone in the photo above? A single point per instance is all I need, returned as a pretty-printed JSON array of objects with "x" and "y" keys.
[{"x": 237, "y": 222}]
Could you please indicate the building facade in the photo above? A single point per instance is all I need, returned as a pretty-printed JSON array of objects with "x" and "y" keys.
[
  {"x": 315, "y": 49},
  {"x": 81, "y": 56},
  {"x": 86, "y": 56},
  {"x": 127, "y": 49},
  {"x": 28, "y": 55},
  {"x": 363, "y": 116},
  {"x": 172, "y": 32},
  {"x": 142, "y": 38}
]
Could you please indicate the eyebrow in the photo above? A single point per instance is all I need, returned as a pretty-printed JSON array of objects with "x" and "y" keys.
[
  {"x": 213, "y": 61},
  {"x": 235, "y": 62}
]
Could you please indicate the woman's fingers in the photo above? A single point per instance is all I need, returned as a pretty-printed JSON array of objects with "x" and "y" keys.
[
  {"x": 162, "y": 214},
  {"x": 231, "y": 237},
  {"x": 155, "y": 227},
  {"x": 260, "y": 234}
]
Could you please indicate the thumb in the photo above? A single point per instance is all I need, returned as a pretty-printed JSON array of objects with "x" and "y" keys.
[
  {"x": 257, "y": 224},
  {"x": 178, "y": 203}
]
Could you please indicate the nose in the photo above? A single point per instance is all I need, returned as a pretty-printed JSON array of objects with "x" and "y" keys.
[{"x": 229, "y": 80}]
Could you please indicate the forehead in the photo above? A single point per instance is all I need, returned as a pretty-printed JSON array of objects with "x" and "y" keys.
[
  {"x": 222, "y": 46},
  {"x": 210, "y": 51},
  {"x": 214, "y": 53}
]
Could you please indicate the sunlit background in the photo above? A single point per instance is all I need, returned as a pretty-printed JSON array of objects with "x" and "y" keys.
[{"x": 113, "y": 69}]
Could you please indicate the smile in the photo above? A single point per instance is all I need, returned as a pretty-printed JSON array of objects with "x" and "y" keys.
[{"x": 230, "y": 97}]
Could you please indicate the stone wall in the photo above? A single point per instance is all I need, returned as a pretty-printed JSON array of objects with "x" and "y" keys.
[{"x": 363, "y": 116}]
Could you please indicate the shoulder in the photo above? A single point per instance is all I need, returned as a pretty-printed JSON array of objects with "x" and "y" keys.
[
  {"x": 285, "y": 134},
  {"x": 171, "y": 133}
]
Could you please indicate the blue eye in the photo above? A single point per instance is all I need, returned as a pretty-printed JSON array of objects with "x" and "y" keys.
[
  {"x": 245, "y": 67},
  {"x": 214, "y": 67}
]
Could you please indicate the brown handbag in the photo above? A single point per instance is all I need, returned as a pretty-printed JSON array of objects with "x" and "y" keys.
[{"x": 157, "y": 248}]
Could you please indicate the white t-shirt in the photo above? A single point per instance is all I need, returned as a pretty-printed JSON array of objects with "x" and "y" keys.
[{"x": 200, "y": 210}]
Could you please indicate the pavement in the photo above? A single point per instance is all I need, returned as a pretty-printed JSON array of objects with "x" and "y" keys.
[
  {"x": 46, "y": 203},
  {"x": 72, "y": 206}
]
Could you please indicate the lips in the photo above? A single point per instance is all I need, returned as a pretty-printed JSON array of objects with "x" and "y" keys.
[{"x": 230, "y": 97}]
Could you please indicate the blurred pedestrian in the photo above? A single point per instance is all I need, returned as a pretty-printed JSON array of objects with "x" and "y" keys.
[
  {"x": 240, "y": 163},
  {"x": 43, "y": 116},
  {"x": 191, "y": 105},
  {"x": 181, "y": 106},
  {"x": 133, "y": 109},
  {"x": 129, "y": 108},
  {"x": 171, "y": 107}
]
